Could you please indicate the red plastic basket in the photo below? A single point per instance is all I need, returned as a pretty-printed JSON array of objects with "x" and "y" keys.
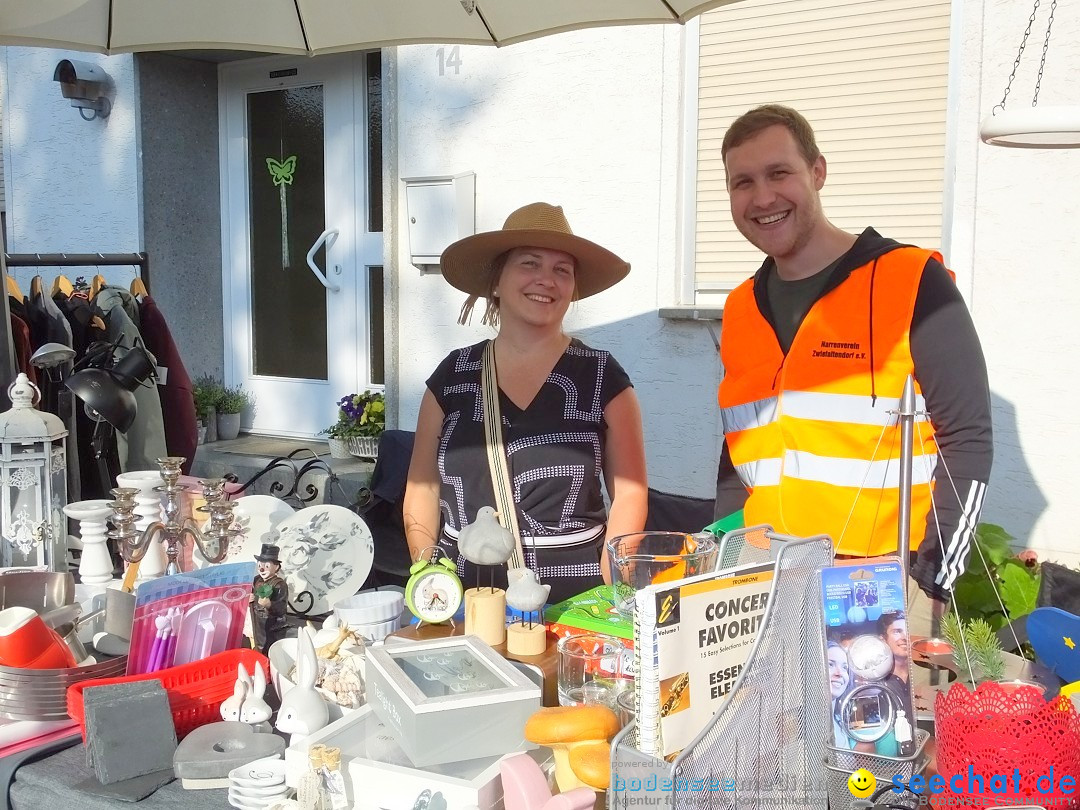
[{"x": 196, "y": 690}]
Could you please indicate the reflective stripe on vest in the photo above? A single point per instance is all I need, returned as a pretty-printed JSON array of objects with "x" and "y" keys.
[
  {"x": 817, "y": 452},
  {"x": 837, "y": 472}
]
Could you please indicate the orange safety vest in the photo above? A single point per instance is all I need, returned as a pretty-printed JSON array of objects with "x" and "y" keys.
[{"x": 815, "y": 450}]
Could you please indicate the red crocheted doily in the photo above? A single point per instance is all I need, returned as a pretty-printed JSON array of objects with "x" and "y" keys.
[{"x": 1001, "y": 730}]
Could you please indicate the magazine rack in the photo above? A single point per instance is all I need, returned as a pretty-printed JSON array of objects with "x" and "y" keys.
[{"x": 765, "y": 747}]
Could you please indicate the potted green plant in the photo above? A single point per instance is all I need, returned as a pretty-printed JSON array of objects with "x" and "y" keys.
[
  {"x": 206, "y": 391},
  {"x": 232, "y": 402},
  {"x": 361, "y": 420}
]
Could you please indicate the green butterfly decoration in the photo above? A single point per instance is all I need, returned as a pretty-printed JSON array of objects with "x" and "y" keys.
[{"x": 282, "y": 172}]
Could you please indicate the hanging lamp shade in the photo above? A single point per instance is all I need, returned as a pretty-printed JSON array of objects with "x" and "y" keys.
[{"x": 1034, "y": 128}]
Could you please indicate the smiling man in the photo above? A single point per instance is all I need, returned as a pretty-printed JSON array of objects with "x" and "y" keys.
[{"x": 816, "y": 348}]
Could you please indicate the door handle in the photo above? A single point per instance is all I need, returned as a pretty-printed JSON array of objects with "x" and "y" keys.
[{"x": 329, "y": 236}]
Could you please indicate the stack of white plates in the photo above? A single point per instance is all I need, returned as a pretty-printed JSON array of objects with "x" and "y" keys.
[
  {"x": 372, "y": 614},
  {"x": 258, "y": 785}
]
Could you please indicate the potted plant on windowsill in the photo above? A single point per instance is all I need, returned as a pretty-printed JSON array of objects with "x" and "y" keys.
[
  {"x": 361, "y": 420},
  {"x": 230, "y": 405}
]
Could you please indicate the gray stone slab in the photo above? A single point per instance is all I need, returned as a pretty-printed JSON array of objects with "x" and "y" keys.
[
  {"x": 127, "y": 790},
  {"x": 129, "y": 730}
]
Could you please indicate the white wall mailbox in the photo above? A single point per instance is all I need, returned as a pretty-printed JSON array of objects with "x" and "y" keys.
[{"x": 440, "y": 210}]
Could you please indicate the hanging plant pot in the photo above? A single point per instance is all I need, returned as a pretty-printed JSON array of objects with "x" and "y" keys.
[
  {"x": 339, "y": 448},
  {"x": 228, "y": 426},
  {"x": 1004, "y": 730}
]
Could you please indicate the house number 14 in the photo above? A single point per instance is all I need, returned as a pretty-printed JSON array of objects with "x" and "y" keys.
[{"x": 449, "y": 60}]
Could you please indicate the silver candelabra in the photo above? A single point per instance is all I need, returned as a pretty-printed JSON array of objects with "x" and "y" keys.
[{"x": 213, "y": 543}]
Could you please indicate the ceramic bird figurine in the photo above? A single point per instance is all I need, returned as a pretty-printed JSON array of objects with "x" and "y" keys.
[
  {"x": 525, "y": 593},
  {"x": 485, "y": 541}
]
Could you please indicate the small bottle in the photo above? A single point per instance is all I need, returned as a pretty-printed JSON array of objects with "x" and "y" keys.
[
  {"x": 310, "y": 793},
  {"x": 904, "y": 738},
  {"x": 333, "y": 779}
]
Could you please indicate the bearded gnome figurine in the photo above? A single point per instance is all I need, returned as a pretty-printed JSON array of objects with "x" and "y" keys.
[{"x": 269, "y": 599}]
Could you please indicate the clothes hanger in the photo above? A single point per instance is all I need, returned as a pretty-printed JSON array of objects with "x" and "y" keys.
[
  {"x": 96, "y": 283},
  {"x": 137, "y": 287},
  {"x": 61, "y": 285},
  {"x": 13, "y": 289},
  {"x": 36, "y": 287}
]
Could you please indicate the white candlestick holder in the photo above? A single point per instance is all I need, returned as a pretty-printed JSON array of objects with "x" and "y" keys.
[
  {"x": 95, "y": 564},
  {"x": 147, "y": 511}
]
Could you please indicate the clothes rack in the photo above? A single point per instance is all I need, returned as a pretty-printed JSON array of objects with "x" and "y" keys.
[{"x": 141, "y": 261}]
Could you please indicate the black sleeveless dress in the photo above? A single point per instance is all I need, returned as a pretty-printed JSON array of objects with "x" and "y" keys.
[{"x": 555, "y": 448}]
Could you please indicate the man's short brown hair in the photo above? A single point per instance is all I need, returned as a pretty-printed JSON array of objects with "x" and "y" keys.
[{"x": 749, "y": 124}]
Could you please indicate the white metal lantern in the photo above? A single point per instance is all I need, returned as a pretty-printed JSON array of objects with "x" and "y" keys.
[{"x": 33, "y": 479}]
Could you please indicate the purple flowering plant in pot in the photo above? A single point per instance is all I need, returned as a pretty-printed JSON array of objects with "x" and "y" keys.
[{"x": 361, "y": 420}]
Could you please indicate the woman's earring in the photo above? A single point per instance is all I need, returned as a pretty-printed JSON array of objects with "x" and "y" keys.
[{"x": 495, "y": 294}]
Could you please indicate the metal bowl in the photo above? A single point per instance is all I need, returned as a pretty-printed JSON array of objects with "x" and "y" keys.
[{"x": 39, "y": 590}]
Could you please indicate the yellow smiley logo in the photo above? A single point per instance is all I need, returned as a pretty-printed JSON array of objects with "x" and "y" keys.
[{"x": 861, "y": 783}]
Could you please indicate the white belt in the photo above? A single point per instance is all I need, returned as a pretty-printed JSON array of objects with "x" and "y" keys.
[{"x": 548, "y": 540}]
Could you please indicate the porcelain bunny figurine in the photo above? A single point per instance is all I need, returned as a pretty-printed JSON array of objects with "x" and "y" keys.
[
  {"x": 231, "y": 706},
  {"x": 303, "y": 710},
  {"x": 256, "y": 711}
]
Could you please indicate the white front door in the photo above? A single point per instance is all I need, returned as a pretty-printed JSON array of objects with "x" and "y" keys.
[{"x": 302, "y": 235}]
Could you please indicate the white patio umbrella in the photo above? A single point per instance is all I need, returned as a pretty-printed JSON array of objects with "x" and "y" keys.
[{"x": 313, "y": 26}]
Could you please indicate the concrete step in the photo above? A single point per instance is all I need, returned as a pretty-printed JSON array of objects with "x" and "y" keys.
[{"x": 302, "y": 480}]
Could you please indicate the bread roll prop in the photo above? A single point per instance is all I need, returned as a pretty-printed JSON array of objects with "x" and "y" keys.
[{"x": 579, "y": 737}]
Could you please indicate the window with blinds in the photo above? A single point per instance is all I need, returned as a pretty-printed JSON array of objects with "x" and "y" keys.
[{"x": 871, "y": 77}]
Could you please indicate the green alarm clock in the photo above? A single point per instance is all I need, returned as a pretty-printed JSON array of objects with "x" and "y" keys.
[{"x": 433, "y": 592}]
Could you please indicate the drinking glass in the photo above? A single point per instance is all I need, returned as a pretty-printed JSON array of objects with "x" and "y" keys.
[{"x": 593, "y": 669}]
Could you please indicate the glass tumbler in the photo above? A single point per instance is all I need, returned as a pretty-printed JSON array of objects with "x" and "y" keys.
[{"x": 592, "y": 670}]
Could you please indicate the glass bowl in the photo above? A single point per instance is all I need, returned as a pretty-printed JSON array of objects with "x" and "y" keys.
[{"x": 639, "y": 559}]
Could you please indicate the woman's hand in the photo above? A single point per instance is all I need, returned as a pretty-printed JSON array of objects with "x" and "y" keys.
[
  {"x": 624, "y": 470},
  {"x": 421, "y": 506}
]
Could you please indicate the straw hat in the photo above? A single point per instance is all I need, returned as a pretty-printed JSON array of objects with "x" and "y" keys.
[{"x": 467, "y": 264}]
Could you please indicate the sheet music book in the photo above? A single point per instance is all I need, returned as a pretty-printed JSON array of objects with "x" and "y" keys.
[{"x": 692, "y": 638}]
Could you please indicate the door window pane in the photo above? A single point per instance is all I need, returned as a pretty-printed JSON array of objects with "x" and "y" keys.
[
  {"x": 375, "y": 325},
  {"x": 285, "y": 171},
  {"x": 374, "y": 161}
]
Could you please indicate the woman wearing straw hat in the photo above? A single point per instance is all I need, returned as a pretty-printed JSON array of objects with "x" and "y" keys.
[{"x": 569, "y": 414}]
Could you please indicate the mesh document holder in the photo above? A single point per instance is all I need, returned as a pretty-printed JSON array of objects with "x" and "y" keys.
[{"x": 765, "y": 746}]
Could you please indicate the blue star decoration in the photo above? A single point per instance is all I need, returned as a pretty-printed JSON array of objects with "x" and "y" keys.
[{"x": 1051, "y": 632}]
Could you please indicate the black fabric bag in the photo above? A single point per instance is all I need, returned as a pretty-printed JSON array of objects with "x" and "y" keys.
[{"x": 381, "y": 504}]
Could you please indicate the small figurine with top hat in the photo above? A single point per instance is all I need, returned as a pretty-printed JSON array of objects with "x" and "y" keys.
[{"x": 269, "y": 599}]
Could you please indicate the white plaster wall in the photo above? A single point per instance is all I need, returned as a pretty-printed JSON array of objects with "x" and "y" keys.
[
  {"x": 1014, "y": 234},
  {"x": 591, "y": 121},
  {"x": 72, "y": 184}
]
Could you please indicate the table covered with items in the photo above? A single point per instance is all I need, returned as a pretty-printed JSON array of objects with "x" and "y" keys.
[{"x": 728, "y": 667}]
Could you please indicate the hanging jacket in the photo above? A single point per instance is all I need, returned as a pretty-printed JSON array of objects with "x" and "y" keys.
[
  {"x": 144, "y": 441},
  {"x": 810, "y": 435},
  {"x": 20, "y": 339},
  {"x": 177, "y": 401}
]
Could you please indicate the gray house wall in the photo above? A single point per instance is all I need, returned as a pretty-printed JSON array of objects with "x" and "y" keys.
[{"x": 181, "y": 202}]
